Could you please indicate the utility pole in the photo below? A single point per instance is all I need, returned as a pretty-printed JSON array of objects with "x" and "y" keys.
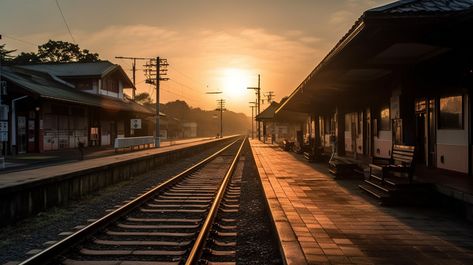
[
  {"x": 258, "y": 96},
  {"x": 221, "y": 108},
  {"x": 133, "y": 69},
  {"x": 154, "y": 77},
  {"x": 269, "y": 96},
  {"x": 252, "y": 115}
]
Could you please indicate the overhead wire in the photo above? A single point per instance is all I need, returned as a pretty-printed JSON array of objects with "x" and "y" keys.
[
  {"x": 192, "y": 100},
  {"x": 178, "y": 84},
  {"x": 65, "y": 22},
  {"x": 20, "y": 40},
  {"x": 185, "y": 75}
]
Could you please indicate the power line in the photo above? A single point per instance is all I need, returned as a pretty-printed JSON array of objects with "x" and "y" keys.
[
  {"x": 65, "y": 22},
  {"x": 183, "y": 96},
  {"x": 20, "y": 40},
  {"x": 186, "y": 86},
  {"x": 133, "y": 69},
  {"x": 187, "y": 76}
]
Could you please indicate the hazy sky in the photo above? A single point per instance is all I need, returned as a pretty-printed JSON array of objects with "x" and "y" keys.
[{"x": 210, "y": 45}]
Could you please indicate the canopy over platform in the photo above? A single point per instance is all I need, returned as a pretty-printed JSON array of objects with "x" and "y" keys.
[{"x": 432, "y": 35}]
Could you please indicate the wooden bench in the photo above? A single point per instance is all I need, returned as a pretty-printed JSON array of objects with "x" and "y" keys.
[
  {"x": 131, "y": 142},
  {"x": 287, "y": 145},
  {"x": 401, "y": 161},
  {"x": 342, "y": 168}
]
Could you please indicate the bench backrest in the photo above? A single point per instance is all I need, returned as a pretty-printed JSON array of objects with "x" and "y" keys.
[
  {"x": 403, "y": 155},
  {"x": 133, "y": 141}
]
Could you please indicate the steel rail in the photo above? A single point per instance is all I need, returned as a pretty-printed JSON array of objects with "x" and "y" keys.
[
  {"x": 49, "y": 254},
  {"x": 199, "y": 243}
]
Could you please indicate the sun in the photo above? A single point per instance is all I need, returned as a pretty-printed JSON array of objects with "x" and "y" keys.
[{"x": 234, "y": 82}]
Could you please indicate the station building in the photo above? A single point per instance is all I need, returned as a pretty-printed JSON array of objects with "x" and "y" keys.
[
  {"x": 403, "y": 74},
  {"x": 286, "y": 125},
  {"x": 56, "y": 106}
]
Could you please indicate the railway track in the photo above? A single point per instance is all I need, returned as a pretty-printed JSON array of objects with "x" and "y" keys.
[{"x": 189, "y": 219}]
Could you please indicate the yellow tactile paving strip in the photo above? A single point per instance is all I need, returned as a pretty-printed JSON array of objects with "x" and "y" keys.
[{"x": 322, "y": 221}]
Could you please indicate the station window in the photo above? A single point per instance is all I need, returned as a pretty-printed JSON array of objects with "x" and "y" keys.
[
  {"x": 385, "y": 121},
  {"x": 94, "y": 133},
  {"x": 451, "y": 112}
]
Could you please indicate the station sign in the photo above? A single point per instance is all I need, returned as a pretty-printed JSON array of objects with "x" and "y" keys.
[{"x": 135, "y": 123}]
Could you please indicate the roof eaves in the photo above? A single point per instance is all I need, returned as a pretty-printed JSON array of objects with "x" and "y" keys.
[
  {"x": 110, "y": 69},
  {"x": 57, "y": 79},
  {"x": 386, "y": 7},
  {"x": 418, "y": 9},
  {"x": 352, "y": 33},
  {"x": 114, "y": 68}
]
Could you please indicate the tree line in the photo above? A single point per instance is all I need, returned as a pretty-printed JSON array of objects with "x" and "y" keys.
[
  {"x": 49, "y": 52},
  {"x": 208, "y": 121}
]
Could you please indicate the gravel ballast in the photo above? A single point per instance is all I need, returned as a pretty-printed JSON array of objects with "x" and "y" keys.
[
  {"x": 31, "y": 234},
  {"x": 256, "y": 242}
]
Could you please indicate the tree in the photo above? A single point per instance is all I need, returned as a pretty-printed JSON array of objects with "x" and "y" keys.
[
  {"x": 63, "y": 51},
  {"x": 87, "y": 57},
  {"x": 26, "y": 58},
  {"x": 5, "y": 54},
  {"x": 143, "y": 98}
]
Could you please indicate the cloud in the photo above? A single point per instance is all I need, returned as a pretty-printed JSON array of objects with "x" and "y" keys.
[
  {"x": 341, "y": 17},
  {"x": 282, "y": 59}
]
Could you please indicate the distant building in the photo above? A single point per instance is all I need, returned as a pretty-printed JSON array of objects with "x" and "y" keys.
[
  {"x": 283, "y": 126},
  {"x": 189, "y": 129},
  {"x": 58, "y": 106}
]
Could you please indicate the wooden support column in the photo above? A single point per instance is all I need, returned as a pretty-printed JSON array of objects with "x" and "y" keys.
[
  {"x": 469, "y": 127},
  {"x": 264, "y": 132},
  {"x": 317, "y": 141},
  {"x": 340, "y": 131},
  {"x": 408, "y": 116}
]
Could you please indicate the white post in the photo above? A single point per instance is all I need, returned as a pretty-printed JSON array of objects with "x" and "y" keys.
[{"x": 13, "y": 121}]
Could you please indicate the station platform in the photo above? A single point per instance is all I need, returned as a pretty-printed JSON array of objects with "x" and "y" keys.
[
  {"x": 34, "y": 160},
  {"x": 93, "y": 160},
  {"x": 320, "y": 220},
  {"x": 27, "y": 192}
]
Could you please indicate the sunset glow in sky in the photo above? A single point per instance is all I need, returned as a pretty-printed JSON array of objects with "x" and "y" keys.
[{"x": 210, "y": 45}]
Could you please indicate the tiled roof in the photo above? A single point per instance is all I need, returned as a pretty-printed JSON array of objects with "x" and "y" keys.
[
  {"x": 268, "y": 113},
  {"x": 73, "y": 69},
  {"x": 424, "y": 6},
  {"x": 46, "y": 87}
]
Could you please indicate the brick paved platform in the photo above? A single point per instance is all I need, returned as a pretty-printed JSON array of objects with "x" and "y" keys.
[{"x": 323, "y": 221}]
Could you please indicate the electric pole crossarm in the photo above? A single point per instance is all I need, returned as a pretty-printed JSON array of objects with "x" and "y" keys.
[
  {"x": 133, "y": 69},
  {"x": 221, "y": 108},
  {"x": 258, "y": 100},
  {"x": 155, "y": 69}
]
